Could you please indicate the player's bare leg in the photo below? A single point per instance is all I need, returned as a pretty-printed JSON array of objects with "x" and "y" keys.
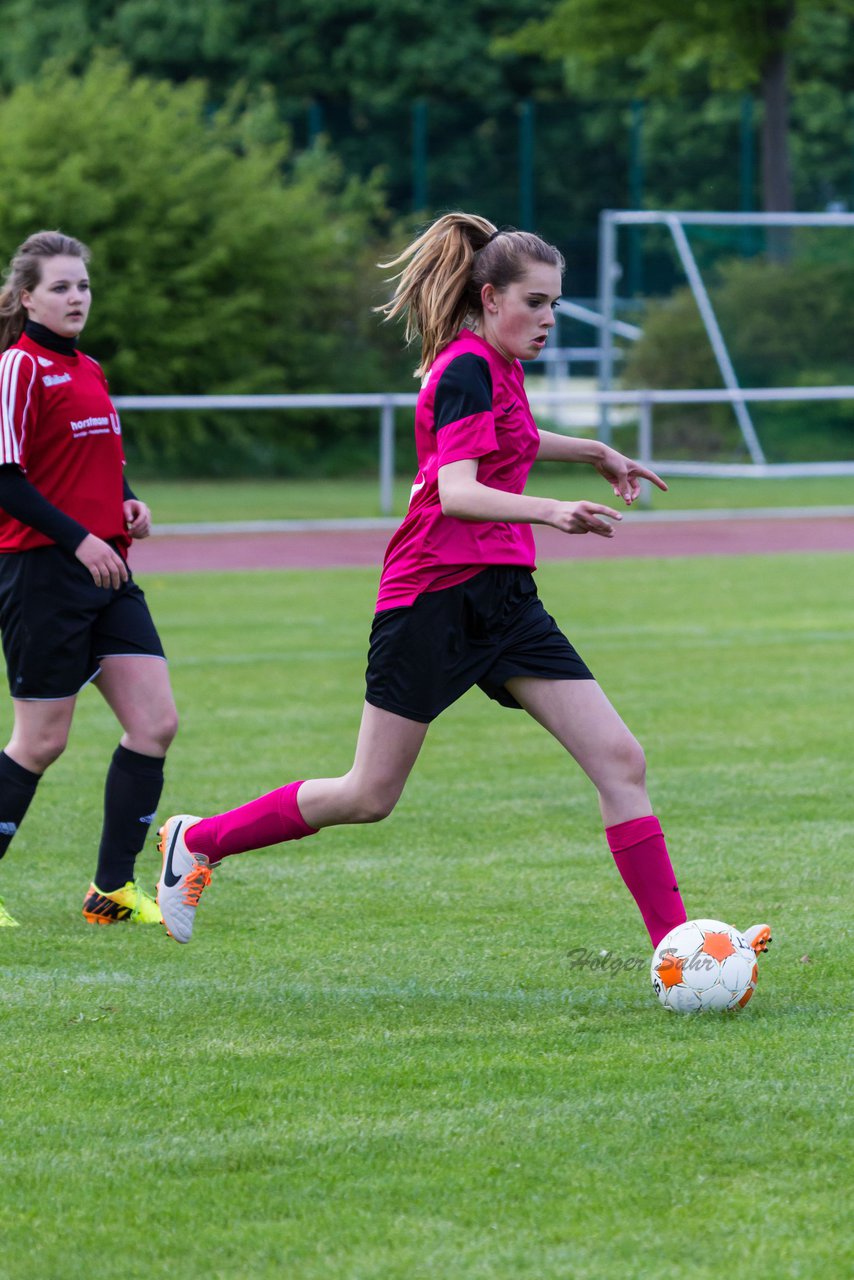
[
  {"x": 40, "y": 732},
  {"x": 579, "y": 715},
  {"x": 582, "y": 719},
  {"x": 386, "y": 750},
  {"x": 138, "y": 690}
]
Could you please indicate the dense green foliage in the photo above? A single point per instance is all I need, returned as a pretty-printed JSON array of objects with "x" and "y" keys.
[
  {"x": 222, "y": 262},
  {"x": 380, "y": 1056},
  {"x": 659, "y": 46},
  {"x": 238, "y": 169},
  {"x": 664, "y": 45},
  {"x": 386, "y": 52},
  {"x": 350, "y": 71},
  {"x": 356, "y": 72}
]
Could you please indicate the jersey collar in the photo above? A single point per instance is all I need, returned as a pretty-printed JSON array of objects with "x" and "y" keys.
[{"x": 47, "y": 338}]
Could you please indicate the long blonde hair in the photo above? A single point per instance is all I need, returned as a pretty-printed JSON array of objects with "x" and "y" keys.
[
  {"x": 25, "y": 272},
  {"x": 445, "y": 268}
]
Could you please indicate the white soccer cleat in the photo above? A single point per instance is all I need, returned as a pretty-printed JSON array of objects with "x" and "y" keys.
[
  {"x": 759, "y": 936},
  {"x": 183, "y": 879}
]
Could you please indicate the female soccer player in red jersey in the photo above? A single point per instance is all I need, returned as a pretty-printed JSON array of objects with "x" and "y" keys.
[
  {"x": 70, "y": 611},
  {"x": 457, "y": 602}
]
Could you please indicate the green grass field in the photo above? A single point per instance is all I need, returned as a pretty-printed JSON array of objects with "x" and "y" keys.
[
  {"x": 182, "y": 501},
  {"x": 381, "y": 1058}
]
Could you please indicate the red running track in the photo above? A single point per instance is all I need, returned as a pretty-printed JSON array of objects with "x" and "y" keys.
[{"x": 328, "y": 549}]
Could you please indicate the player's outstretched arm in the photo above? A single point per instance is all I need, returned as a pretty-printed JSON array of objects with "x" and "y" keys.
[
  {"x": 465, "y": 498},
  {"x": 623, "y": 474}
]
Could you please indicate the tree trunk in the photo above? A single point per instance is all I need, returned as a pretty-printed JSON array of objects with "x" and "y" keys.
[{"x": 777, "y": 195}]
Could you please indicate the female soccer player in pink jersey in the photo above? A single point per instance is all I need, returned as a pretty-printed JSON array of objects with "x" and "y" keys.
[
  {"x": 457, "y": 601},
  {"x": 70, "y": 611}
]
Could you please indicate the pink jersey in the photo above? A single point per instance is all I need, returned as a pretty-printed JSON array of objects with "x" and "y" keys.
[
  {"x": 58, "y": 424},
  {"x": 472, "y": 405}
]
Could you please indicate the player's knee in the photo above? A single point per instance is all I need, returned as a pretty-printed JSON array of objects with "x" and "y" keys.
[
  {"x": 42, "y": 749},
  {"x": 631, "y": 761},
  {"x": 375, "y": 805},
  {"x": 153, "y": 734},
  {"x": 166, "y": 729},
  {"x": 374, "y": 812}
]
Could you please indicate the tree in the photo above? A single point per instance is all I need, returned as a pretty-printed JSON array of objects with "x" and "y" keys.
[
  {"x": 351, "y": 70},
  {"x": 371, "y": 52},
  {"x": 661, "y": 45},
  {"x": 220, "y": 262}
]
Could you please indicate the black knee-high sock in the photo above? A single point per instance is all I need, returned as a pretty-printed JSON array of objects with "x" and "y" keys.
[
  {"x": 17, "y": 788},
  {"x": 131, "y": 795}
]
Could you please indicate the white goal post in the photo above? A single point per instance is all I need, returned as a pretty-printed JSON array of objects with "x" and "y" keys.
[{"x": 609, "y": 271}]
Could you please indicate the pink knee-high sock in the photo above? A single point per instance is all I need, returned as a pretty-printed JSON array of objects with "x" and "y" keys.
[
  {"x": 270, "y": 819},
  {"x": 642, "y": 860}
]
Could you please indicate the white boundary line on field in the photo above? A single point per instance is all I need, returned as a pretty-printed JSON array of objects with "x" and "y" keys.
[{"x": 212, "y": 528}]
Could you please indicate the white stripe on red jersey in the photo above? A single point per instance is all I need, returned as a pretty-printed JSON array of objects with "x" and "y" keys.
[
  {"x": 17, "y": 378},
  {"x": 59, "y": 425}
]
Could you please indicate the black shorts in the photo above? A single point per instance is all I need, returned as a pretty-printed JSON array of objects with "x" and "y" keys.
[
  {"x": 57, "y": 624},
  {"x": 482, "y": 632}
]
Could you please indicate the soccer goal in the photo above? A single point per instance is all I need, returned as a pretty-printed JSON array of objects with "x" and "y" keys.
[{"x": 740, "y": 398}]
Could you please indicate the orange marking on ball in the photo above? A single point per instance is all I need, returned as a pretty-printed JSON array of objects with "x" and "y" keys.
[
  {"x": 718, "y": 946},
  {"x": 669, "y": 969}
]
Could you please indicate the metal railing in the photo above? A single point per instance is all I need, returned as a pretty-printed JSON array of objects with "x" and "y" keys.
[{"x": 643, "y": 400}]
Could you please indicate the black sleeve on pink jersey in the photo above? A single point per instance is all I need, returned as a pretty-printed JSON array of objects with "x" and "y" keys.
[
  {"x": 464, "y": 389},
  {"x": 23, "y": 502},
  {"x": 128, "y": 494}
]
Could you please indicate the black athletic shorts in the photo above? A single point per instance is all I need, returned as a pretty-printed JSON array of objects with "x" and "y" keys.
[
  {"x": 57, "y": 624},
  {"x": 482, "y": 632}
]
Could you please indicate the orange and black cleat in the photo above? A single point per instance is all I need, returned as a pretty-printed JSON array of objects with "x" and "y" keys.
[{"x": 129, "y": 904}]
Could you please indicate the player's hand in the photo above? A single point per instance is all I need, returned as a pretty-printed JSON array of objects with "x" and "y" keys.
[
  {"x": 106, "y": 566},
  {"x": 583, "y": 517},
  {"x": 137, "y": 518},
  {"x": 624, "y": 475}
]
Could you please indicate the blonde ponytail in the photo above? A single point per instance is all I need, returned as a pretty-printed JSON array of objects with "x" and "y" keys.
[
  {"x": 444, "y": 270},
  {"x": 434, "y": 287}
]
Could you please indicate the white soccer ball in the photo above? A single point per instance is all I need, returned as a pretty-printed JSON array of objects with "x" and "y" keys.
[{"x": 703, "y": 965}]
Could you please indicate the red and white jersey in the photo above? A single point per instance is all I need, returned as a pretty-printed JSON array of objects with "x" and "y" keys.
[{"x": 59, "y": 425}]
